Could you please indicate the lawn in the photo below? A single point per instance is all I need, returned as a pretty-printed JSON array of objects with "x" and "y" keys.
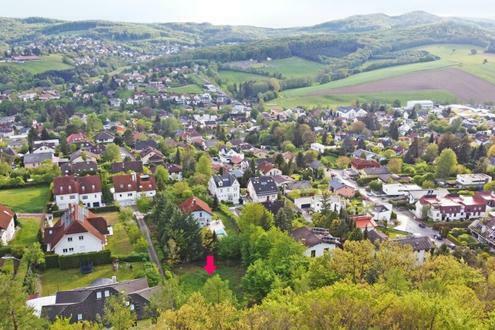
[
  {"x": 292, "y": 67},
  {"x": 186, "y": 89},
  {"x": 46, "y": 63},
  {"x": 53, "y": 280},
  {"x": 393, "y": 233},
  {"x": 193, "y": 276},
  {"x": 28, "y": 234},
  {"x": 119, "y": 243},
  {"x": 26, "y": 200}
]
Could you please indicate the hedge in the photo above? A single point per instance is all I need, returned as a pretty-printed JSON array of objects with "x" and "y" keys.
[
  {"x": 108, "y": 208},
  {"x": 135, "y": 258},
  {"x": 51, "y": 261},
  {"x": 8, "y": 250},
  {"x": 74, "y": 261}
]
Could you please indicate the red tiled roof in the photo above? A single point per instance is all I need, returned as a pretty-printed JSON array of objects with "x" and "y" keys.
[
  {"x": 6, "y": 216},
  {"x": 89, "y": 224},
  {"x": 76, "y": 137},
  {"x": 193, "y": 204},
  {"x": 133, "y": 182},
  {"x": 346, "y": 191},
  {"x": 360, "y": 164},
  {"x": 364, "y": 221},
  {"x": 265, "y": 167},
  {"x": 64, "y": 185}
]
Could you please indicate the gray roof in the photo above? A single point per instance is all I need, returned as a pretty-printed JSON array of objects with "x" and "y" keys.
[
  {"x": 264, "y": 185},
  {"x": 37, "y": 158},
  {"x": 422, "y": 243},
  {"x": 226, "y": 180}
]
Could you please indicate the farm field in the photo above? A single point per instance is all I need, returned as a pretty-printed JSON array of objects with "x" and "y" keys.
[
  {"x": 26, "y": 200},
  {"x": 46, "y": 63},
  {"x": 374, "y": 84},
  {"x": 292, "y": 67}
]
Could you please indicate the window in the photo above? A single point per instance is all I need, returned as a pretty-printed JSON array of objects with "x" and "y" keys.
[
  {"x": 98, "y": 295},
  {"x": 313, "y": 253},
  {"x": 79, "y": 317},
  {"x": 107, "y": 293},
  {"x": 85, "y": 197},
  {"x": 73, "y": 197},
  {"x": 132, "y": 307},
  {"x": 129, "y": 194},
  {"x": 69, "y": 239},
  {"x": 64, "y": 250},
  {"x": 81, "y": 238},
  {"x": 71, "y": 249}
]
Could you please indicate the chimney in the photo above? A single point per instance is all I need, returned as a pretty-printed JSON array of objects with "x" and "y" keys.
[{"x": 133, "y": 176}]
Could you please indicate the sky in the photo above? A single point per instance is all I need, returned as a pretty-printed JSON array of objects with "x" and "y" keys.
[{"x": 266, "y": 13}]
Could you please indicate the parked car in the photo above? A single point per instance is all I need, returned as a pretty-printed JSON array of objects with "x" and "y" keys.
[{"x": 421, "y": 225}]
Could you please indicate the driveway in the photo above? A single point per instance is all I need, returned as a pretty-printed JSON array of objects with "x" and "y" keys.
[{"x": 151, "y": 248}]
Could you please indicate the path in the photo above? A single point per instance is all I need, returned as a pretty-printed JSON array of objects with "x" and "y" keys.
[{"x": 151, "y": 248}]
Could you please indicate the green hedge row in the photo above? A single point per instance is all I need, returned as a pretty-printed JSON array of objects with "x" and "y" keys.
[
  {"x": 135, "y": 258},
  {"x": 74, "y": 261},
  {"x": 8, "y": 250},
  {"x": 108, "y": 208}
]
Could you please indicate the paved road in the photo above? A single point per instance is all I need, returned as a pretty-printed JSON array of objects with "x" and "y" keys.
[{"x": 151, "y": 248}]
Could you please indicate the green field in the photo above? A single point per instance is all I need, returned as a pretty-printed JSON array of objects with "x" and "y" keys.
[
  {"x": 192, "y": 276},
  {"x": 28, "y": 234},
  {"x": 187, "y": 89},
  {"x": 235, "y": 77},
  {"x": 53, "y": 280},
  {"x": 292, "y": 67},
  {"x": 46, "y": 63},
  {"x": 288, "y": 101},
  {"x": 26, "y": 200}
]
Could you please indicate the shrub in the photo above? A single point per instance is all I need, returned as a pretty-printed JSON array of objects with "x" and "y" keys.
[{"x": 75, "y": 260}]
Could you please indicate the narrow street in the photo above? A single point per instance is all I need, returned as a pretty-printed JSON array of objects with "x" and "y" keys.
[{"x": 151, "y": 248}]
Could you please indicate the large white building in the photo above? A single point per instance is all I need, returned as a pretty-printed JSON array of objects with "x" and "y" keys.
[
  {"x": 71, "y": 190},
  {"x": 198, "y": 209},
  {"x": 315, "y": 203},
  {"x": 225, "y": 187},
  {"x": 77, "y": 231},
  {"x": 475, "y": 180},
  {"x": 128, "y": 188},
  {"x": 424, "y": 104}
]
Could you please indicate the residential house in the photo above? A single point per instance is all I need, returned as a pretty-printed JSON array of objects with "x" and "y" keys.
[
  {"x": 76, "y": 138},
  {"x": 360, "y": 164},
  {"x": 317, "y": 241},
  {"x": 79, "y": 169},
  {"x": 174, "y": 172},
  {"x": 127, "y": 166},
  {"x": 77, "y": 231},
  {"x": 382, "y": 212},
  {"x": 475, "y": 180},
  {"x": 350, "y": 113},
  {"x": 484, "y": 231},
  {"x": 262, "y": 189},
  {"x": 151, "y": 156},
  {"x": 88, "y": 304},
  {"x": 7, "y": 225},
  {"x": 364, "y": 222},
  {"x": 104, "y": 137},
  {"x": 225, "y": 187},
  {"x": 399, "y": 189},
  {"x": 422, "y": 246},
  {"x": 81, "y": 156},
  {"x": 315, "y": 202},
  {"x": 268, "y": 169},
  {"x": 198, "y": 209},
  {"x": 69, "y": 190},
  {"x": 35, "y": 160},
  {"x": 128, "y": 188},
  {"x": 320, "y": 148},
  {"x": 450, "y": 208}
]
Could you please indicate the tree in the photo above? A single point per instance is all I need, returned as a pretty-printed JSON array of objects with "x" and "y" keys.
[
  {"x": 395, "y": 165},
  {"x": 161, "y": 177},
  {"x": 112, "y": 153},
  {"x": 393, "y": 130},
  {"x": 343, "y": 162},
  {"x": 216, "y": 291},
  {"x": 93, "y": 123},
  {"x": 284, "y": 218},
  {"x": 446, "y": 163},
  {"x": 117, "y": 312},
  {"x": 430, "y": 153},
  {"x": 64, "y": 324},
  {"x": 414, "y": 152},
  {"x": 257, "y": 215},
  {"x": 15, "y": 313},
  {"x": 34, "y": 254},
  {"x": 355, "y": 260},
  {"x": 258, "y": 281},
  {"x": 204, "y": 166}
]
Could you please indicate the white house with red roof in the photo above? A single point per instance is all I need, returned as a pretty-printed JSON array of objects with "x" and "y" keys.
[
  {"x": 74, "y": 190},
  {"x": 198, "y": 209},
  {"x": 7, "y": 225},
  {"x": 451, "y": 207},
  {"x": 364, "y": 222},
  {"x": 77, "y": 231},
  {"x": 76, "y": 138},
  {"x": 128, "y": 188},
  {"x": 268, "y": 169}
]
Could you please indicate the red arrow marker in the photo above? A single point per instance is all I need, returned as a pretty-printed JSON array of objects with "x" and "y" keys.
[{"x": 210, "y": 265}]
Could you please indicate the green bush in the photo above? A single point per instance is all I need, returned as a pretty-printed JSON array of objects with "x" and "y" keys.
[
  {"x": 103, "y": 209},
  {"x": 51, "y": 261},
  {"x": 74, "y": 261},
  {"x": 135, "y": 258}
]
